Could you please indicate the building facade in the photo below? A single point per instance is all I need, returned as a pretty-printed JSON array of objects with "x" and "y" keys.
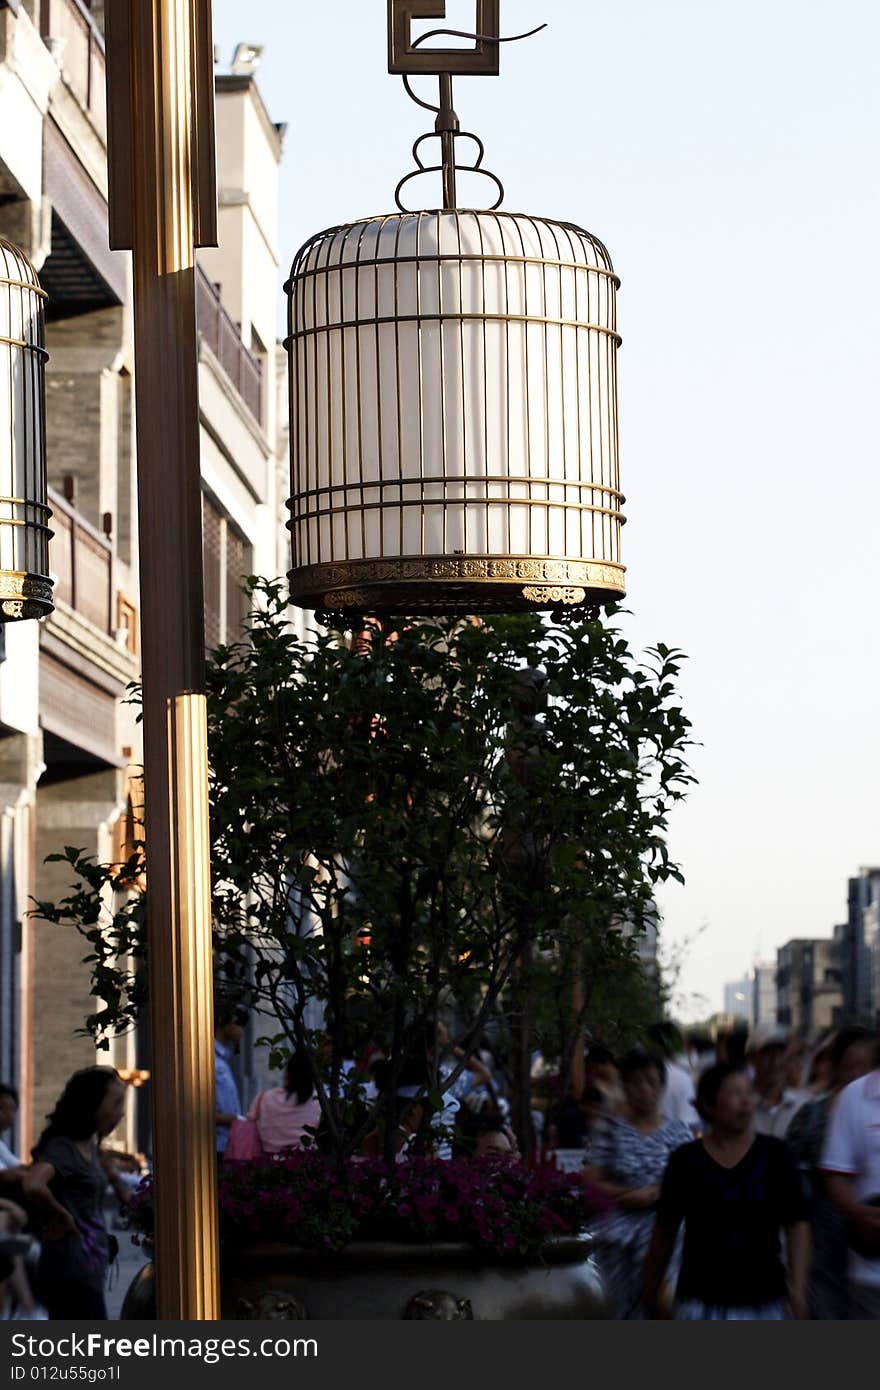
[
  {"x": 808, "y": 989},
  {"x": 763, "y": 996},
  {"x": 738, "y": 999},
  {"x": 858, "y": 948},
  {"x": 69, "y": 742}
]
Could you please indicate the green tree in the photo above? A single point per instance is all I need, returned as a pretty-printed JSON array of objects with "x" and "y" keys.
[{"x": 396, "y": 828}]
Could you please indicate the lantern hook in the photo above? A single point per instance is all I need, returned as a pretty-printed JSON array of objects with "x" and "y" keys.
[{"x": 447, "y": 126}]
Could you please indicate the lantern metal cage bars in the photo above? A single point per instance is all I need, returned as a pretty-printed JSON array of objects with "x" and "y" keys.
[
  {"x": 453, "y": 387},
  {"x": 25, "y": 583}
]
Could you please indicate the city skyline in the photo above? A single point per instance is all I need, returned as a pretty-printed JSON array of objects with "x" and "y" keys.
[{"x": 844, "y": 964}]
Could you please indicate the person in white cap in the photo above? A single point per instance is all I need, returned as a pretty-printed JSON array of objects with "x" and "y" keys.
[{"x": 777, "y": 1105}]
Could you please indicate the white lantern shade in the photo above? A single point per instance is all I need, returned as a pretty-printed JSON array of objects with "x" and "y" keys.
[
  {"x": 453, "y": 380},
  {"x": 25, "y": 586}
]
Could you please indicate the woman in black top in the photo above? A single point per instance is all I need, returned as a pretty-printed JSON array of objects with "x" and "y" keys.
[
  {"x": 734, "y": 1190},
  {"x": 69, "y": 1183}
]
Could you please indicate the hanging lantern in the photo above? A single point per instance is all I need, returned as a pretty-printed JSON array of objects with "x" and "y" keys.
[
  {"x": 453, "y": 392},
  {"x": 25, "y": 586}
]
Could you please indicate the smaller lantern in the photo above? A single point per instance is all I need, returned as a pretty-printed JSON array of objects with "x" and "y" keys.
[{"x": 25, "y": 586}]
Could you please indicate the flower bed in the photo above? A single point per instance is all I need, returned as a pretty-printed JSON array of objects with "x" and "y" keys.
[{"x": 308, "y": 1200}]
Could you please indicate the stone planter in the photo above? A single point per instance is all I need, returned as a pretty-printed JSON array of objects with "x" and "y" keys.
[{"x": 393, "y": 1280}]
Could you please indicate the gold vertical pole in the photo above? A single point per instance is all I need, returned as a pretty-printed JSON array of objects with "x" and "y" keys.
[{"x": 162, "y": 192}]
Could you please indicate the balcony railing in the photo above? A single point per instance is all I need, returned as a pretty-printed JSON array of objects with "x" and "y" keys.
[
  {"x": 222, "y": 336},
  {"x": 77, "y": 44},
  {"x": 81, "y": 561}
]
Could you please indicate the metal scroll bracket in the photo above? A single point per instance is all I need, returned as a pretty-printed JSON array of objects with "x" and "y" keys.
[{"x": 407, "y": 58}]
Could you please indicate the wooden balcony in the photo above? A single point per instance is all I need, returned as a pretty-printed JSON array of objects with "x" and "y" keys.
[
  {"x": 223, "y": 337},
  {"x": 81, "y": 561}
]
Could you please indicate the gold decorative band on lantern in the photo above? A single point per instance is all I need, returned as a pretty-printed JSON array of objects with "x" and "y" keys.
[
  {"x": 25, "y": 593},
  {"x": 24, "y": 596},
  {"x": 545, "y": 595},
  {"x": 457, "y": 583}
]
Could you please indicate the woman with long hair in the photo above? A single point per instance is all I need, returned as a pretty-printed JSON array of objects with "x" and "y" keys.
[
  {"x": 68, "y": 1183},
  {"x": 735, "y": 1192},
  {"x": 627, "y": 1160},
  {"x": 287, "y": 1116}
]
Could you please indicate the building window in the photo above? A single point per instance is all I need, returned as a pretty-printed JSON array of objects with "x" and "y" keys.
[
  {"x": 227, "y": 559},
  {"x": 126, "y": 624},
  {"x": 212, "y": 545},
  {"x": 128, "y": 833},
  {"x": 125, "y": 480}
]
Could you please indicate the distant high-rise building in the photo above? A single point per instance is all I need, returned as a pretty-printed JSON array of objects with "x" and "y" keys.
[
  {"x": 764, "y": 992},
  {"x": 646, "y": 941},
  {"x": 738, "y": 998},
  {"x": 808, "y": 993},
  {"x": 857, "y": 942}
]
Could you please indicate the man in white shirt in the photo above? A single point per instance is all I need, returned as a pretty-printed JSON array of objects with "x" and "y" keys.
[
  {"x": 677, "y": 1099},
  {"x": 8, "y": 1159},
  {"x": 777, "y": 1105},
  {"x": 851, "y": 1162}
]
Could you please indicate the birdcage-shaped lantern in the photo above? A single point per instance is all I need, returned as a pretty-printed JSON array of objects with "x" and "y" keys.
[
  {"x": 25, "y": 586},
  {"x": 453, "y": 391},
  {"x": 454, "y": 415}
]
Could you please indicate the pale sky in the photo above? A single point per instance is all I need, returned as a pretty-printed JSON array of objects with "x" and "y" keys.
[{"x": 726, "y": 153}]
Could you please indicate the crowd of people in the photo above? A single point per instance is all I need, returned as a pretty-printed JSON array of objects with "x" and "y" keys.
[
  {"x": 55, "y": 1245},
  {"x": 474, "y": 1116},
  {"x": 744, "y": 1184},
  {"x": 741, "y": 1177},
  {"x": 739, "y": 1181}
]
